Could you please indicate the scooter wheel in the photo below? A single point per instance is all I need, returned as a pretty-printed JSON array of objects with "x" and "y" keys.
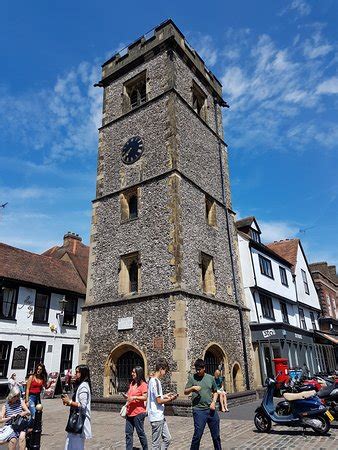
[
  {"x": 262, "y": 423},
  {"x": 324, "y": 427}
]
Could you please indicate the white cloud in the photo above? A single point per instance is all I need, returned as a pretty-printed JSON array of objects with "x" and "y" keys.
[
  {"x": 329, "y": 86},
  {"x": 59, "y": 122},
  {"x": 234, "y": 82},
  {"x": 301, "y": 7},
  {"x": 275, "y": 231},
  {"x": 271, "y": 88},
  {"x": 11, "y": 194},
  {"x": 205, "y": 48}
]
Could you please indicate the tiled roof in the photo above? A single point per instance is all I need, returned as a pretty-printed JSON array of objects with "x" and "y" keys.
[
  {"x": 20, "y": 265},
  {"x": 74, "y": 251},
  {"x": 246, "y": 222},
  {"x": 287, "y": 249}
]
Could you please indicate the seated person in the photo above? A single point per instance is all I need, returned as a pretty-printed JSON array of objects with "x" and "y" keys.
[
  {"x": 14, "y": 405},
  {"x": 221, "y": 390}
]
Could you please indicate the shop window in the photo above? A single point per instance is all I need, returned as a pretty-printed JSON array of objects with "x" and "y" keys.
[
  {"x": 199, "y": 101},
  {"x": 283, "y": 277},
  {"x": 70, "y": 311},
  {"x": 265, "y": 265},
  {"x": 302, "y": 319},
  {"x": 208, "y": 275},
  {"x": 306, "y": 285},
  {"x": 129, "y": 204},
  {"x": 267, "y": 307},
  {"x": 66, "y": 361},
  {"x": 135, "y": 91},
  {"x": 41, "y": 307},
  {"x": 210, "y": 211},
  {"x": 129, "y": 279},
  {"x": 36, "y": 355},
  {"x": 8, "y": 302},
  {"x": 5, "y": 352},
  {"x": 284, "y": 311}
]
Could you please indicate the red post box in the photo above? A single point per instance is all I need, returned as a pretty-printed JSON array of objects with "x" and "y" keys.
[{"x": 281, "y": 370}]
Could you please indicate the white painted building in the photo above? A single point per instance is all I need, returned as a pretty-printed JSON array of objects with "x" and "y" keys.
[
  {"x": 40, "y": 307},
  {"x": 283, "y": 302}
]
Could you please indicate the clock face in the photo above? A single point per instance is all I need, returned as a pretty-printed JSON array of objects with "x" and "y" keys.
[{"x": 132, "y": 150}]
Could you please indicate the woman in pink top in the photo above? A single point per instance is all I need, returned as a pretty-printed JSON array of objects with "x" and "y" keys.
[{"x": 136, "y": 410}]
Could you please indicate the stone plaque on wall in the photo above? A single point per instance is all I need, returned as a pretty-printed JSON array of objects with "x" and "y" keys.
[
  {"x": 158, "y": 343},
  {"x": 19, "y": 357},
  {"x": 125, "y": 323}
]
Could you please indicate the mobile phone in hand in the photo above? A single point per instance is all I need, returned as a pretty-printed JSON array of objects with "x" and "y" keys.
[
  {"x": 63, "y": 395},
  {"x": 124, "y": 395}
]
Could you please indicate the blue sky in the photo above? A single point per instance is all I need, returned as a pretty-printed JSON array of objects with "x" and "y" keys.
[{"x": 277, "y": 61}]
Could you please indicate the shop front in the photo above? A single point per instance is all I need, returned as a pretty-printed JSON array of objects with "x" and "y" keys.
[{"x": 280, "y": 340}]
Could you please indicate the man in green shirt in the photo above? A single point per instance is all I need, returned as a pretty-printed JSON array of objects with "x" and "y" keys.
[{"x": 203, "y": 388}]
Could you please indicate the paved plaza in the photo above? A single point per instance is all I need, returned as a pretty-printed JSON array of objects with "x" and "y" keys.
[{"x": 237, "y": 430}]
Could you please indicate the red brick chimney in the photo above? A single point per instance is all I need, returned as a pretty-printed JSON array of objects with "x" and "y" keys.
[{"x": 71, "y": 240}]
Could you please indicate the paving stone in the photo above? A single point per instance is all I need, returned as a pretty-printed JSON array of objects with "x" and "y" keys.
[{"x": 108, "y": 430}]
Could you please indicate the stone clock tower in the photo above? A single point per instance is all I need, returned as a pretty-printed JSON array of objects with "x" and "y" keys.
[{"x": 163, "y": 271}]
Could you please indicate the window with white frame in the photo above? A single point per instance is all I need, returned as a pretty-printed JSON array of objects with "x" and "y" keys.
[
  {"x": 267, "y": 307},
  {"x": 284, "y": 311},
  {"x": 265, "y": 265},
  {"x": 302, "y": 318},
  {"x": 306, "y": 285},
  {"x": 313, "y": 321},
  {"x": 8, "y": 302},
  {"x": 41, "y": 307},
  {"x": 283, "y": 277}
]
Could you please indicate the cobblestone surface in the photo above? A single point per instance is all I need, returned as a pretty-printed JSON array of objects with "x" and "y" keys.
[{"x": 108, "y": 430}]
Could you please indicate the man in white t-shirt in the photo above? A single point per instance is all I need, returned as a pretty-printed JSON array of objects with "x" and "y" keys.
[{"x": 161, "y": 437}]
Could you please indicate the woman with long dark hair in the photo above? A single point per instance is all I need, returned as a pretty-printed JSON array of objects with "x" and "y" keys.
[
  {"x": 136, "y": 410},
  {"x": 81, "y": 400},
  {"x": 35, "y": 384}
]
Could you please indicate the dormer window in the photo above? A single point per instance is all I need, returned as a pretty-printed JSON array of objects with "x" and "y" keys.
[
  {"x": 255, "y": 235},
  {"x": 135, "y": 91}
]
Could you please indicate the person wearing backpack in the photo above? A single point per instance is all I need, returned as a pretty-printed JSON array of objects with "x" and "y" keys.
[{"x": 156, "y": 402}]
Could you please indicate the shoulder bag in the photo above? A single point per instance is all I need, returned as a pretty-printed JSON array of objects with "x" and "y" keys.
[
  {"x": 75, "y": 420},
  {"x": 20, "y": 423},
  {"x": 123, "y": 412}
]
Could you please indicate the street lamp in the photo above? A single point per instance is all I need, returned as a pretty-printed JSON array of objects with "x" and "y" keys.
[{"x": 62, "y": 304}]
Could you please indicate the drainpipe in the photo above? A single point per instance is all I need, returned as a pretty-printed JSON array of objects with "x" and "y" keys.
[
  {"x": 254, "y": 272},
  {"x": 240, "y": 310}
]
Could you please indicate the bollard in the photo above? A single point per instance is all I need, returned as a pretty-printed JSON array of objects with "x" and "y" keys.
[{"x": 35, "y": 440}]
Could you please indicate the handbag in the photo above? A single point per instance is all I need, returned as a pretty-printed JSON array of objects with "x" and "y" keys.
[
  {"x": 75, "y": 421},
  {"x": 5, "y": 432},
  {"x": 20, "y": 423},
  {"x": 123, "y": 412}
]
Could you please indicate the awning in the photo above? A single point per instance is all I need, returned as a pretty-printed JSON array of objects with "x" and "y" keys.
[{"x": 329, "y": 337}]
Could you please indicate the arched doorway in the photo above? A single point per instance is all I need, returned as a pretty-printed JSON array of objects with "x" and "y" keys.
[
  {"x": 124, "y": 366},
  {"x": 215, "y": 357},
  {"x": 119, "y": 366},
  {"x": 212, "y": 362},
  {"x": 237, "y": 378}
]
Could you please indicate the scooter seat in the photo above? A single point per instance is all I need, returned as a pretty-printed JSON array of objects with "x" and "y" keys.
[{"x": 290, "y": 397}]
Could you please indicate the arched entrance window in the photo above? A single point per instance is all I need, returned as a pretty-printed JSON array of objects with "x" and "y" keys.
[{"x": 124, "y": 366}]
